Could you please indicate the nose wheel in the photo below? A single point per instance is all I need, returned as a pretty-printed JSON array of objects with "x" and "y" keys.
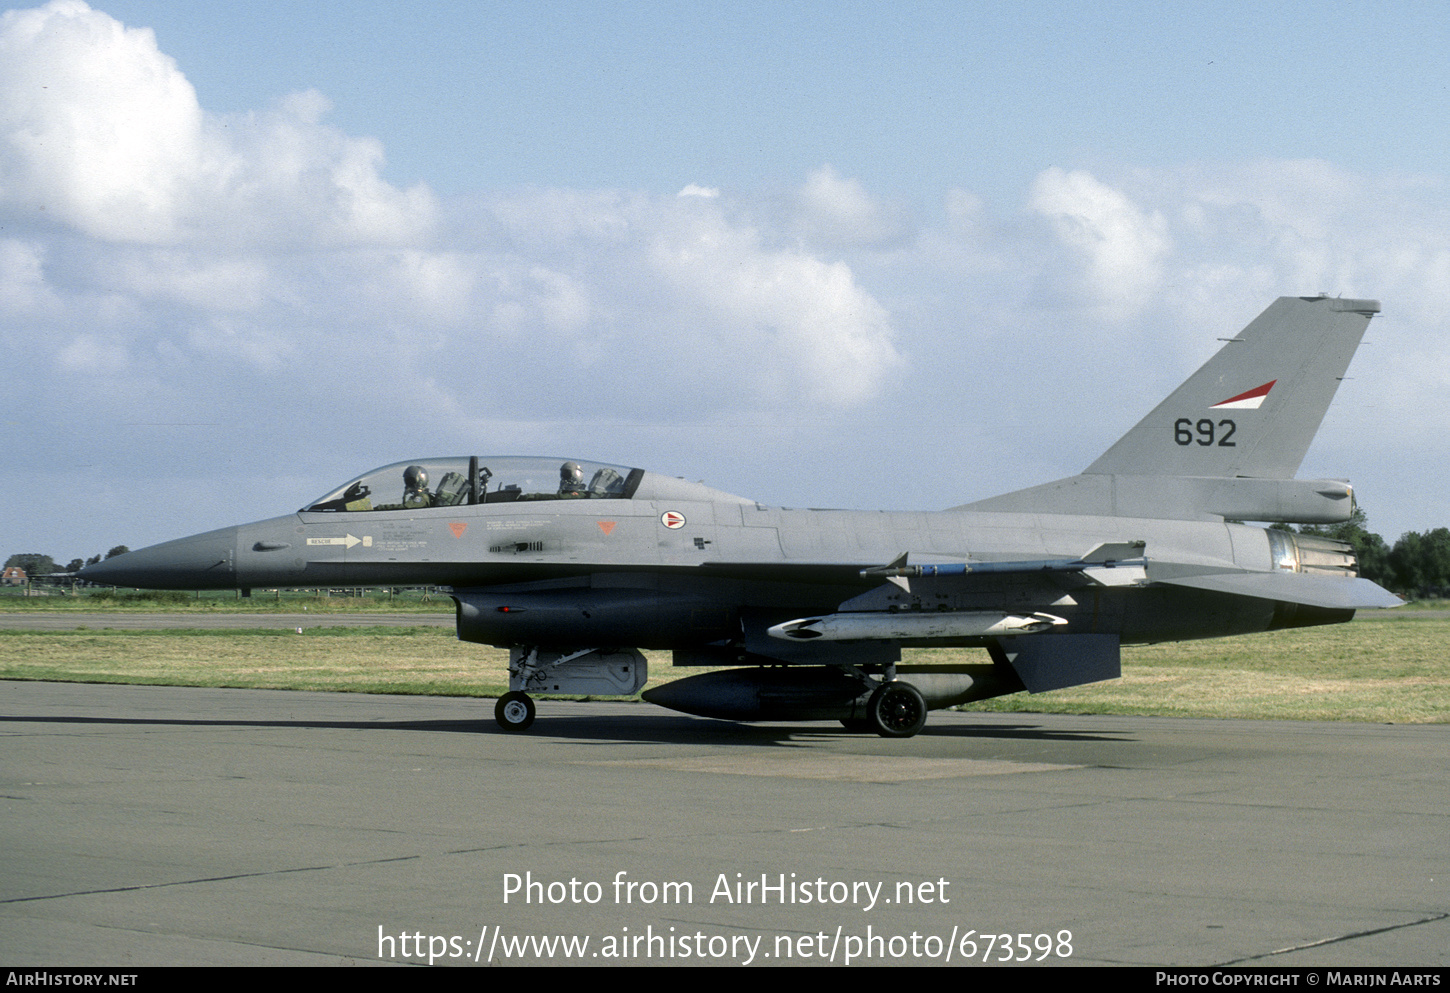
[{"x": 514, "y": 711}]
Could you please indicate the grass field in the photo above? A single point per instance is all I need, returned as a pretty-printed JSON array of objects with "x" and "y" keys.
[
  {"x": 408, "y": 599},
  {"x": 1386, "y": 667}
]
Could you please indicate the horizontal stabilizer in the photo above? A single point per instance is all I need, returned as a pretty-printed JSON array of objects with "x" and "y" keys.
[{"x": 1331, "y": 592}]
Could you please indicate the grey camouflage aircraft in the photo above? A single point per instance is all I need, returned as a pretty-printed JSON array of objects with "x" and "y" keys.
[{"x": 575, "y": 566}]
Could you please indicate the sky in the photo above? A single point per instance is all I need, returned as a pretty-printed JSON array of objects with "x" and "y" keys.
[{"x": 865, "y": 255}]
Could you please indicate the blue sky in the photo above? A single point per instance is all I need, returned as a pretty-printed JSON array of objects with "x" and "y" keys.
[
  {"x": 910, "y": 98},
  {"x": 898, "y": 255}
]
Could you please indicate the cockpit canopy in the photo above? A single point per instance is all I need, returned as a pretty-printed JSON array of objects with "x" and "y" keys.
[{"x": 474, "y": 479}]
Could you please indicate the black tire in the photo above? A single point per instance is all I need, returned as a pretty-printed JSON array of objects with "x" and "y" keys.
[
  {"x": 514, "y": 711},
  {"x": 897, "y": 710}
]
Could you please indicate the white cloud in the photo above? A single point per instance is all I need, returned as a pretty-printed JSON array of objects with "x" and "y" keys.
[
  {"x": 206, "y": 281},
  {"x": 88, "y": 353},
  {"x": 269, "y": 241},
  {"x": 104, "y": 133},
  {"x": 795, "y": 322},
  {"x": 23, "y": 290},
  {"x": 1121, "y": 246},
  {"x": 98, "y": 122},
  {"x": 1310, "y": 226},
  {"x": 528, "y": 301},
  {"x": 619, "y": 290},
  {"x": 835, "y": 211}
]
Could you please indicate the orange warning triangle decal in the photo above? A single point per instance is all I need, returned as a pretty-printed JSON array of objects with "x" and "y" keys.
[
  {"x": 606, "y": 526},
  {"x": 458, "y": 527}
]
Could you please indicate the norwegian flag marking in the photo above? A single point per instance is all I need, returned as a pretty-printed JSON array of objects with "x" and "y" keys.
[{"x": 1251, "y": 400}]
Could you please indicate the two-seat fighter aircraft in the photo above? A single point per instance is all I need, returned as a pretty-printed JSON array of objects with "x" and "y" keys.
[{"x": 575, "y": 566}]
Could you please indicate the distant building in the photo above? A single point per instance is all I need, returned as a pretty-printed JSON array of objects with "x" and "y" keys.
[{"x": 12, "y": 576}]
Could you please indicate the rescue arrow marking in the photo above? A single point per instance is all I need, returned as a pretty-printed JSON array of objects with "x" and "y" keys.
[{"x": 348, "y": 540}]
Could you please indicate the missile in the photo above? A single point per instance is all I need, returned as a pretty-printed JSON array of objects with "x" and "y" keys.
[
  {"x": 906, "y": 627},
  {"x": 1126, "y": 556}
]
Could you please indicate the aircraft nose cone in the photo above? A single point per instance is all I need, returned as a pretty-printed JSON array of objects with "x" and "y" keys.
[{"x": 201, "y": 562}]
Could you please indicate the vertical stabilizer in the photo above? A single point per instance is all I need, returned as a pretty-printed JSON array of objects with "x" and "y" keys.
[{"x": 1253, "y": 408}]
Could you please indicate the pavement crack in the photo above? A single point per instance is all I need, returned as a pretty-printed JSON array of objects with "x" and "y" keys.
[
  {"x": 1338, "y": 938},
  {"x": 208, "y": 879}
]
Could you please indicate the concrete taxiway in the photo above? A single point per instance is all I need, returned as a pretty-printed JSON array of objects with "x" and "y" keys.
[{"x": 153, "y": 826}]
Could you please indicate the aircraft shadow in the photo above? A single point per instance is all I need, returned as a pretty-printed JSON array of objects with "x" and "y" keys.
[{"x": 645, "y": 729}]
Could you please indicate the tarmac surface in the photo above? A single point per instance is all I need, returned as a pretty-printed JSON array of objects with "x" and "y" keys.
[{"x": 179, "y": 826}]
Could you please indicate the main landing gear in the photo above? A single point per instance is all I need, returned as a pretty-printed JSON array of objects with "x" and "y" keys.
[{"x": 895, "y": 710}]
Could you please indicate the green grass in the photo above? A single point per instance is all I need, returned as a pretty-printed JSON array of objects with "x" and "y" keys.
[
  {"x": 1382, "y": 668},
  {"x": 372, "y": 601},
  {"x": 362, "y": 660}
]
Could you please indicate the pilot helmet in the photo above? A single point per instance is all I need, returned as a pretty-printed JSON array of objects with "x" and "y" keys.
[
  {"x": 571, "y": 472},
  {"x": 415, "y": 477}
]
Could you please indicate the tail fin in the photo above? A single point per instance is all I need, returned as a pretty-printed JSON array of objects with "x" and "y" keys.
[
  {"x": 1253, "y": 408},
  {"x": 1228, "y": 441}
]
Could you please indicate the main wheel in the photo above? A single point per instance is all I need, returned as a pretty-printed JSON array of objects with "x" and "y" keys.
[
  {"x": 896, "y": 710},
  {"x": 514, "y": 711}
]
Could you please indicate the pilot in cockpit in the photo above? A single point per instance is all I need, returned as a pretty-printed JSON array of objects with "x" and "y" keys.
[
  {"x": 571, "y": 480},
  {"x": 415, "y": 488}
]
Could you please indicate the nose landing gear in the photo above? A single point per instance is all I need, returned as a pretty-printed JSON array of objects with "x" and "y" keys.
[{"x": 514, "y": 711}]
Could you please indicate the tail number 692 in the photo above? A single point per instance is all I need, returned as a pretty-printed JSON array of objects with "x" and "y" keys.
[{"x": 1186, "y": 432}]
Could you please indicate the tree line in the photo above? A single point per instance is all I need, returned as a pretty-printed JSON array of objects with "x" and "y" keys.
[
  {"x": 37, "y": 565},
  {"x": 1417, "y": 563}
]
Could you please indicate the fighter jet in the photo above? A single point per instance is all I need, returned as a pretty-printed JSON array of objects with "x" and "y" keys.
[{"x": 575, "y": 566}]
